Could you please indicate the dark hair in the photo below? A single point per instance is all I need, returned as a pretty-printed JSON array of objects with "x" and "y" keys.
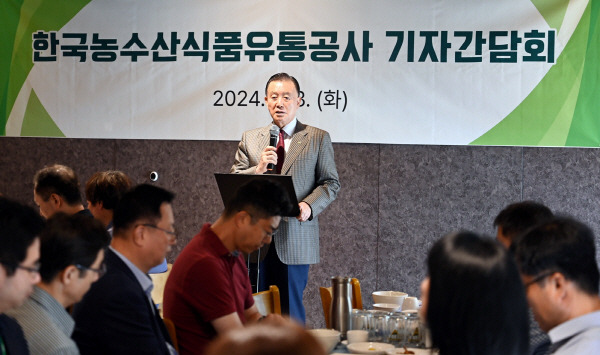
[
  {"x": 266, "y": 339},
  {"x": 476, "y": 302},
  {"x": 516, "y": 218},
  {"x": 562, "y": 245},
  {"x": 70, "y": 240},
  {"x": 19, "y": 226},
  {"x": 283, "y": 77},
  {"x": 261, "y": 199},
  {"x": 60, "y": 180},
  {"x": 107, "y": 187},
  {"x": 141, "y": 202}
]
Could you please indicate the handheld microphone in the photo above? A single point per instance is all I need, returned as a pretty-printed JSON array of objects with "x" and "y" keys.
[{"x": 274, "y": 133}]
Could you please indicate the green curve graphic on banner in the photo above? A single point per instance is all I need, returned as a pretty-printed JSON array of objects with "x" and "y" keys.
[
  {"x": 37, "y": 121},
  {"x": 561, "y": 107},
  {"x": 585, "y": 130},
  {"x": 18, "y": 18},
  {"x": 553, "y": 11}
]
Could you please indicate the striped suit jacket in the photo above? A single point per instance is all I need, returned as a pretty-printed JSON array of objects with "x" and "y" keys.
[{"x": 310, "y": 162}]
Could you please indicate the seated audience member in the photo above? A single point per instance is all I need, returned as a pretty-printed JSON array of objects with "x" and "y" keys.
[
  {"x": 19, "y": 268},
  {"x": 102, "y": 191},
  {"x": 56, "y": 189},
  {"x": 516, "y": 218},
  {"x": 267, "y": 339},
  {"x": 511, "y": 222},
  {"x": 117, "y": 315},
  {"x": 473, "y": 298},
  {"x": 208, "y": 291},
  {"x": 557, "y": 260},
  {"x": 71, "y": 255}
]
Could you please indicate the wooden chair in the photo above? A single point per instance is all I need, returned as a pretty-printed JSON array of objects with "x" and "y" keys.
[
  {"x": 327, "y": 294},
  {"x": 159, "y": 281},
  {"x": 171, "y": 330},
  {"x": 268, "y": 301}
]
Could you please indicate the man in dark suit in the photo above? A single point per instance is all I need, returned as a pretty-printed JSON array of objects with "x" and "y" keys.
[
  {"x": 117, "y": 315},
  {"x": 19, "y": 268},
  {"x": 305, "y": 153}
]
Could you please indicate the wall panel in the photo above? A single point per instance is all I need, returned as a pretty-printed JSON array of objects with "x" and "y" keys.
[{"x": 395, "y": 201}]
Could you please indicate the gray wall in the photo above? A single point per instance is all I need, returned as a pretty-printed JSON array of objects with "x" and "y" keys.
[{"x": 395, "y": 201}]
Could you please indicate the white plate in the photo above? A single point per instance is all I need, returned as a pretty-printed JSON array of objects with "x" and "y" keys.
[
  {"x": 369, "y": 348},
  {"x": 400, "y": 351}
]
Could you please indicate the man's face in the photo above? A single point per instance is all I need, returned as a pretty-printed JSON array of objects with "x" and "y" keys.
[
  {"x": 47, "y": 208},
  {"x": 80, "y": 285},
  {"x": 255, "y": 235},
  {"x": 282, "y": 101},
  {"x": 162, "y": 237},
  {"x": 15, "y": 289},
  {"x": 540, "y": 297}
]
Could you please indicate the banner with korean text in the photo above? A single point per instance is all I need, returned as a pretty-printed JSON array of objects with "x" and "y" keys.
[{"x": 513, "y": 72}]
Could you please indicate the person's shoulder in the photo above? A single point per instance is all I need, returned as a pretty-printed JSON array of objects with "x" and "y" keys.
[
  {"x": 311, "y": 129},
  {"x": 29, "y": 314},
  {"x": 9, "y": 323},
  {"x": 12, "y": 333},
  {"x": 256, "y": 131}
]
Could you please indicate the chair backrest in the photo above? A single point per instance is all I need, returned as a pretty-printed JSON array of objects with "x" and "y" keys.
[
  {"x": 356, "y": 294},
  {"x": 327, "y": 295},
  {"x": 268, "y": 301},
  {"x": 159, "y": 281},
  {"x": 171, "y": 330}
]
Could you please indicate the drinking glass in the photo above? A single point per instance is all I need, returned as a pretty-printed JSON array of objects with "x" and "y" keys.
[
  {"x": 360, "y": 319},
  {"x": 396, "y": 332},
  {"x": 378, "y": 331}
]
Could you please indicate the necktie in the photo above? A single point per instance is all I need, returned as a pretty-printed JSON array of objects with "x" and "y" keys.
[{"x": 280, "y": 149}]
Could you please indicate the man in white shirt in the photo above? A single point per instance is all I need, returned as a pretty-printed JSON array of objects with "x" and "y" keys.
[{"x": 557, "y": 261}]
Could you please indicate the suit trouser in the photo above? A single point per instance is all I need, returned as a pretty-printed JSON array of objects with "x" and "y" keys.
[{"x": 291, "y": 281}]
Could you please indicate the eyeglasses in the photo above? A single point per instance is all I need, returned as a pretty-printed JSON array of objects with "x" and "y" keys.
[
  {"x": 100, "y": 271},
  {"x": 538, "y": 278},
  {"x": 35, "y": 269},
  {"x": 171, "y": 234}
]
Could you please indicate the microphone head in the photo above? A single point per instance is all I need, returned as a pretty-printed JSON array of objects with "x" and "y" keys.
[{"x": 274, "y": 131}]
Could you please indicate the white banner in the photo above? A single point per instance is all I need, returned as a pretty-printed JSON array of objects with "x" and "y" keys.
[{"x": 410, "y": 72}]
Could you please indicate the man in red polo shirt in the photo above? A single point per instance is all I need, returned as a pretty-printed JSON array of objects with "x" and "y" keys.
[{"x": 208, "y": 291}]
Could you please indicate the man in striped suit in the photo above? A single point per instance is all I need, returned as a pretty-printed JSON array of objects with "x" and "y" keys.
[{"x": 305, "y": 153}]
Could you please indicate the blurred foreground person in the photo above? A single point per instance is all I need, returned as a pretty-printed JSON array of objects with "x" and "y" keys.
[
  {"x": 267, "y": 339},
  {"x": 558, "y": 265},
  {"x": 72, "y": 251},
  {"x": 19, "y": 268},
  {"x": 117, "y": 315},
  {"x": 510, "y": 224},
  {"x": 208, "y": 291},
  {"x": 473, "y": 298}
]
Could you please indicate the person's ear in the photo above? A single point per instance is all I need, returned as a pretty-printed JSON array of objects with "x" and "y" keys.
[
  {"x": 558, "y": 284},
  {"x": 139, "y": 235},
  {"x": 69, "y": 274},
  {"x": 55, "y": 200},
  {"x": 242, "y": 218}
]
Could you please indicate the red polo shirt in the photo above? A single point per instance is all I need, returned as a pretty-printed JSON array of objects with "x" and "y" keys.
[{"x": 206, "y": 282}]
